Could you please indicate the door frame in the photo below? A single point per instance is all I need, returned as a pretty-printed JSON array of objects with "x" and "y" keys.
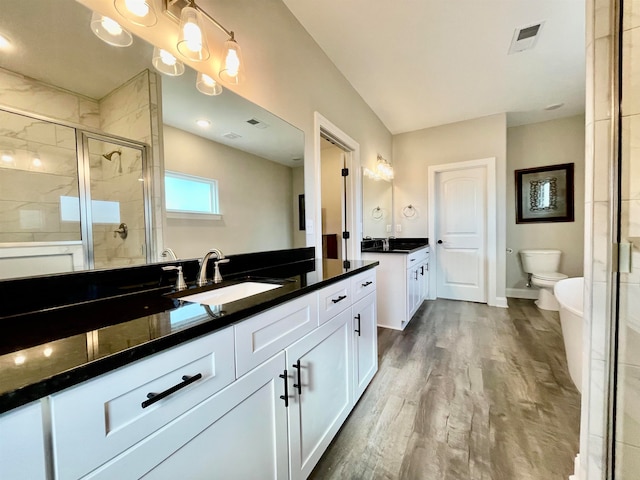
[
  {"x": 491, "y": 234},
  {"x": 322, "y": 125}
]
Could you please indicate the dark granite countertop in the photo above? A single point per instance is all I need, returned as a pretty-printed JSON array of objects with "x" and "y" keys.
[
  {"x": 48, "y": 350},
  {"x": 396, "y": 245}
]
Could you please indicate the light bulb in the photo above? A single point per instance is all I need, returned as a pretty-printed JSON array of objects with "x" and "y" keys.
[
  {"x": 111, "y": 26},
  {"x": 36, "y": 162},
  {"x": 19, "y": 360},
  {"x": 209, "y": 82},
  {"x": 138, "y": 7},
  {"x": 232, "y": 63},
  {"x": 7, "y": 158},
  {"x": 192, "y": 36},
  {"x": 167, "y": 58},
  {"x": 4, "y": 42},
  {"x": 207, "y": 85},
  {"x": 47, "y": 351}
]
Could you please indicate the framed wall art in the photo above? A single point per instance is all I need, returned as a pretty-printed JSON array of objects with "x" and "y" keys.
[{"x": 545, "y": 194}]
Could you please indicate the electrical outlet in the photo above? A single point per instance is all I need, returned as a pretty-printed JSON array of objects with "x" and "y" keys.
[
  {"x": 388, "y": 228},
  {"x": 398, "y": 228}
]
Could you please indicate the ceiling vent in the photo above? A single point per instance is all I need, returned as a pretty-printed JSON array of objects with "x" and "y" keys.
[
  {"x": 257, "y": 123},
  {"x": 231, "y": 135},
  {"x": 525, "y": 38}
]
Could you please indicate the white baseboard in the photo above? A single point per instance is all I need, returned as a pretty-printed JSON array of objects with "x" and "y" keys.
[
  {"x": 578, "y": 474},
  {"x": 529, "y": 293},
  {"x": 501, "y": 302}
]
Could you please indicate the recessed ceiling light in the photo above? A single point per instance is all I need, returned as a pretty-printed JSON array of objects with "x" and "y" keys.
[
  {"x": 203, "y": 123},
  {"x": 554, "y": 106},
  {"x": 6, "y": 158},
  {"x": 5, "y": 43}
]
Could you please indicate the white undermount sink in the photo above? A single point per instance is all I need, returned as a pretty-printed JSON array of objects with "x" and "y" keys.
[{"x": 231, "y": 293}]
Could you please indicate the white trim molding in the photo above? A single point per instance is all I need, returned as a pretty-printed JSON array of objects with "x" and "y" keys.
[
  {"x": 492, "y": 227},
  {"x": 528, "y": 293},
  {"x": 354, "y": 206}
]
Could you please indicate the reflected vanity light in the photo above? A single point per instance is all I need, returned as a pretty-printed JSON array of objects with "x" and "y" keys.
[
  {"x": 110, "y": 31},
  {"x": 36, "y": 162},
  {"x": 207, "y": 85},
  {"x": 47, "y": 352},
  {"x": 19, "y": 359},
  {"x": 166, "y": 63},
  {"x": 6, "y": 158}
]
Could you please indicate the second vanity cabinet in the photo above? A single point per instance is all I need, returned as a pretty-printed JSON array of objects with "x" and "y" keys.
[
  {"x": 402, "y": 285},
  {"x": 273, "y": 392}
]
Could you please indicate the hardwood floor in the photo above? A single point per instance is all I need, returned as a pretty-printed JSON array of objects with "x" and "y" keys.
[{"x": 466, "y": 391}]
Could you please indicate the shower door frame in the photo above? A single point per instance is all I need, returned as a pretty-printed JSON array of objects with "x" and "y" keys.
[{"x": 84, "y": 188}]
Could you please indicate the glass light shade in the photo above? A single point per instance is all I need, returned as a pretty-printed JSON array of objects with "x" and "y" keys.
[
  {"x": 166, "y": 63},
  {"x": 232, "y": 69},
  {"x": 139, "y": 12},
  {"x": 110, "y": 31},
  {"x": 207, "y": 85},
  {"x": 384, "y": 170},
  {"x": 192, "y": 42}
]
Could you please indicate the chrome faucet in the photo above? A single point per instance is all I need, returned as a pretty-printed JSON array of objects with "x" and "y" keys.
[
  {"x": 167, "y": 252},
  {"x": 202, "y": 274}
]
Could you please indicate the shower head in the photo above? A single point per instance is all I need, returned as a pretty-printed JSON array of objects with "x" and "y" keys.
[{"x": 109, "y": 155}]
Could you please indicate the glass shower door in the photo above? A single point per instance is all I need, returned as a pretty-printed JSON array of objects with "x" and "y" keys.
[{"x": 116, "y": 205}]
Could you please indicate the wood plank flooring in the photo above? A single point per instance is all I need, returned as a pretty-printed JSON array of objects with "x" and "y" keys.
[{"x": 466, "y": 391}]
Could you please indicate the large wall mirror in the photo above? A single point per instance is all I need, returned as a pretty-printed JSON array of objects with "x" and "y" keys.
[{"x": 87, "y": 132}]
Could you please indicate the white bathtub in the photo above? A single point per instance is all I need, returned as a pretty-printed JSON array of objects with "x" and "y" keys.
[{"x": 569, "y": 294}]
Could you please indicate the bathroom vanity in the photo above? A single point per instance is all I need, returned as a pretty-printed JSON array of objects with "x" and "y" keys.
[
  {"x": 403, "y": 278},
  {"x": 253, "y": 388}
]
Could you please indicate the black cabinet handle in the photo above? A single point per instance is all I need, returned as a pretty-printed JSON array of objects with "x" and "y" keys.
[
  {"x": 440, "y": 242},
  {"x": 285, "y": 397},
  {"x": 416, "y": 274},
  {"x": 155, "y": 397},
  {"x": 357, "y": 317},
  {"x": 366, "y": 284},
  {"x": 339, "y": 299},
  {"x": 422, "y": 270},
  {"x": 299, "y": 384}
]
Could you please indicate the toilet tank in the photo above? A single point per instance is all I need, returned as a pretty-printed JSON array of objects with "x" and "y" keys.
[{"x": 541, "y": 260}]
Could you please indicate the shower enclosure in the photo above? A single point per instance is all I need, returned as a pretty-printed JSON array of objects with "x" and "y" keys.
[{"x": 70, "y": 199}]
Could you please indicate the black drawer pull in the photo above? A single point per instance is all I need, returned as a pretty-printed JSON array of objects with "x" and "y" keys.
[
  {"x": 366, "y": 284},
  {"x": 285, "y": 397},
  {"x": 357, "y": 317},
  {"x": 156, "y": 397},
  {"x": 299, "y": 384},
  {"x": 422, "y": 270},
  {"x": 339, "y": 299}
]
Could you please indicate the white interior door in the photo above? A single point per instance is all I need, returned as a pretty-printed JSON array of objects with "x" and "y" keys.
[{"x": 461, "y": 219}]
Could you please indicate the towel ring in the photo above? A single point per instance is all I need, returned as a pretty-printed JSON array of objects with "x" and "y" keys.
[
  {"x": 409, "y": 211},
  {"x": 377, "y": 213}
]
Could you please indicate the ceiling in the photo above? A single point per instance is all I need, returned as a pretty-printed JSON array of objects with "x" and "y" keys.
[
  {"x": 422, "y": 63},
  {"x": 54, "y": 44}
]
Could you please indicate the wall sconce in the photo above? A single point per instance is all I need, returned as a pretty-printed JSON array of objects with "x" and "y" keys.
[
  {"x": 384, "y": 169},
  {"x": 192, "y": 39}
]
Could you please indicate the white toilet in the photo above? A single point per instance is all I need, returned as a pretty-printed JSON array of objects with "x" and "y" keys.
[{"x": 542, "y": 265}]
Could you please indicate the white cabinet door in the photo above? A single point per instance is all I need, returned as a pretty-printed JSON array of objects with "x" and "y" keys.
[
  {"x": 22, "y": 444},
  {"x": 365, "y": 341},
  {"x": 320, "y": 386},
  {"x": 424, "y": 280},
  {"x": 239, "y": 433}
]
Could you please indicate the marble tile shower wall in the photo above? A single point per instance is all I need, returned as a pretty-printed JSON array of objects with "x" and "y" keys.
[
  {"x": 132, "y": 111},
  {"x": 598, "y": 234},
  {"x": 33, "y": 214},
  {"x": 628, "y": 382}
]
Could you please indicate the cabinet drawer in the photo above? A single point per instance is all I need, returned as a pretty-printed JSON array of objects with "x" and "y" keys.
[
  {"x": 334, "y": 299},
  {"x": 363, "y": 284},
  {"x": 95, "y": 421},
  {"x": 260, "y": 337},
  {"x": 415, "y": 258}
]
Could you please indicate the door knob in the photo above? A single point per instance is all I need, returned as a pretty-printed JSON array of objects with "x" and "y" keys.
[{"x": 440, "y": 242}]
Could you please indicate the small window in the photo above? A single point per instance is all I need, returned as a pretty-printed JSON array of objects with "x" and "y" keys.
[{"x": 190, "y": 195}]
